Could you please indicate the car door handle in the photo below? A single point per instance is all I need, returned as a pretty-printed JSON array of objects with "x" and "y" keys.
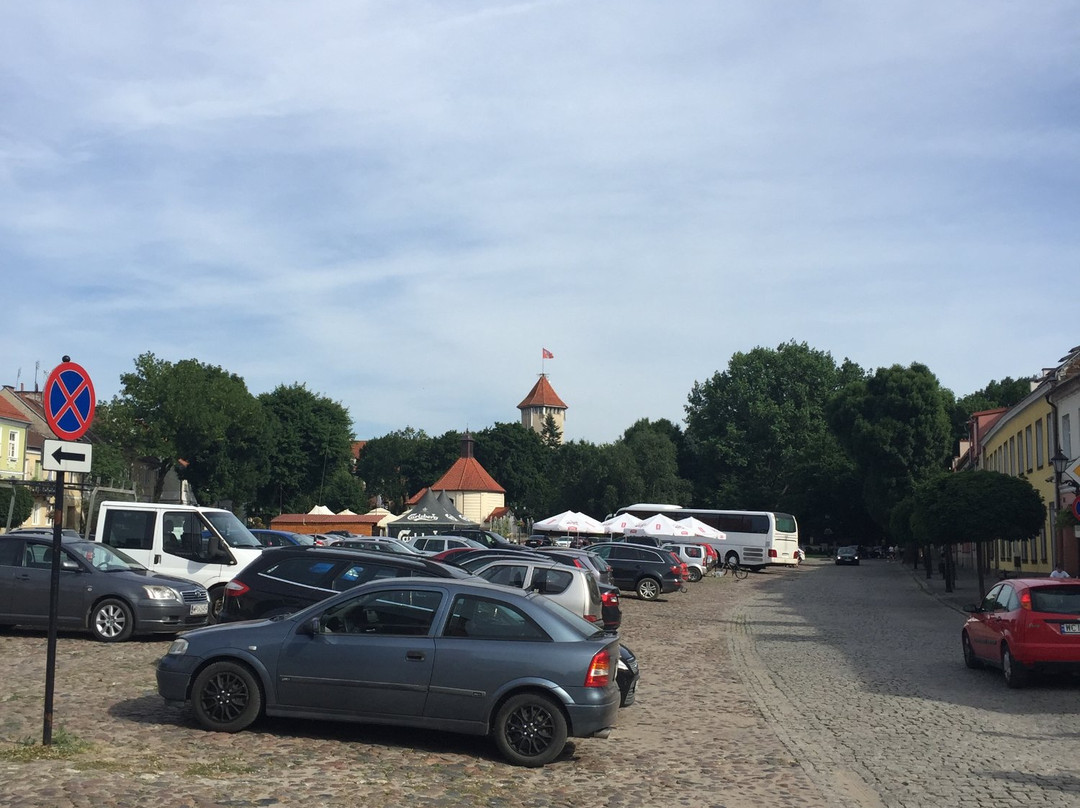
[{"x": 415, "y": 656}]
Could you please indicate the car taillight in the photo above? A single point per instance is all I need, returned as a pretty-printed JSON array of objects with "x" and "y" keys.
[
  {"x": 592, "y": 618},
  {"x": 599, "y": 674},
  {"x": 610, "y": 598},
  {"x": 235, "y": 588},
  {"x": 1025, "y": 600},
  {"x": 772, "y": 553}
]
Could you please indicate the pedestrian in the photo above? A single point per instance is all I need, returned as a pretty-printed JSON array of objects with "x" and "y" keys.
[{"x": 1059, "y": 571}]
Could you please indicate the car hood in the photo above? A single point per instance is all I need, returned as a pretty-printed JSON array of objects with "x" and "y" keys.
[{"x": 148, "y": 577}]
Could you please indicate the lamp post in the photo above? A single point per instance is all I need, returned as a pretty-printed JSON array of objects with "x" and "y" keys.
[{"x": 1060, "y": 462}]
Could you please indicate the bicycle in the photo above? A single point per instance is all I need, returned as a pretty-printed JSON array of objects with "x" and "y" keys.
[{"x": 732, "y": 566}]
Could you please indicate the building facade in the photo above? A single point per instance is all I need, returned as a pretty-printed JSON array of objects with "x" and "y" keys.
[{"x": 541, "y": 403}]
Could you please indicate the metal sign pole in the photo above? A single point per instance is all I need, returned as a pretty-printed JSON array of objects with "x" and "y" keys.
[{"x": 54, "y": 610}]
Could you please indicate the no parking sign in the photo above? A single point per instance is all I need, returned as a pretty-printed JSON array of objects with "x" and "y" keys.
[{"x": 69, "y": 400}]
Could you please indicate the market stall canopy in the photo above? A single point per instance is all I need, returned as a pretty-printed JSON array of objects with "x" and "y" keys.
[
  {"x": 569, "y": 522},
  {"x": 429, "y": 515}
]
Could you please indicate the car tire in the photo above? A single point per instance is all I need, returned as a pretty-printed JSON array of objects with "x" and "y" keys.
[
  {"x": 530, "y": 730},
  {"x": 111, "y": 620},
  {"x": 695, "y": 575},
  {"x": 970, "y": 659},
  {"x": 648, "y": 589},
  {"x": 1016, "y": 675},
  {"x": 217, "y": 603},
  {"x": 226, "y": 697}
]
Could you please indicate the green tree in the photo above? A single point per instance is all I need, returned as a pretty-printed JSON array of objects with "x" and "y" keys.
[
  {"x": 398, "y": 465},
  {"x": 311, "y": 443},
  {"x": 550, "y": 432},
  {"x": 518, "y": 460},
  {"x": 655, "y": 447},
  {"x": 757, "y": 438},
  {"x": 17, "y": 502},
  {"x": 1005, "y": 393},
  {"x": 895, "y": 426},
  {"x": 979, "y": 507},
  {"x": 197, "y": 419}
]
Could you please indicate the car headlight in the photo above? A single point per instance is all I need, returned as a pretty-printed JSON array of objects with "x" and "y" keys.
[
  {"x": 158, "y": 592},
  {"x": 178, "y": 648}
]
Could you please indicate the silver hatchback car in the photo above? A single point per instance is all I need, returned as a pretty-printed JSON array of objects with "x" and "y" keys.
[{"x": 573, "y": 588}]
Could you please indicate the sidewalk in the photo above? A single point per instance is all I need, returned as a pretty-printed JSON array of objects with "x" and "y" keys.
[{"x": 965, "y": 588}]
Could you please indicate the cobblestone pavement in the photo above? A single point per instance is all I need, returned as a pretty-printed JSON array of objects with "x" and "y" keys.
[
  {"x": 811, "y": 688},
  {"x": 695, "y": 737},
  {"x": 862, "y": 676}
]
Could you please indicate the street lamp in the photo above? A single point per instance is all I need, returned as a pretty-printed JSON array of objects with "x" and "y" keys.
[{"x": 1060, "y": 462}]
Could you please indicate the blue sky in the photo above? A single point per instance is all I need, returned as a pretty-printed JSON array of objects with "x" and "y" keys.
[{"x": 400, "y": 204}]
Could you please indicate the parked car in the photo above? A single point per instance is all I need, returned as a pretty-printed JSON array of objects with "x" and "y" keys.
[
  {"x": 693, "y": 555},
  {"x": 434, "y": 654},
  {"x": 286, "y": 579},
  {"x": 572, "y": 587},
  {"x": 1024, "y": 625},
  {"x": 281, "y": 538},
  {"x": 488, "y": 538},
  {"x": 430, "y": 545},
  {"x": 102, "y": 590},
  {"x": 847, "y": 555},
  {"x": 381, "y": 545},
  {"x": 649, "y": 571}
]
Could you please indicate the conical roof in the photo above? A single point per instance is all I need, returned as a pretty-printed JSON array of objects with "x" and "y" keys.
[{"x": 542, "y": 395}]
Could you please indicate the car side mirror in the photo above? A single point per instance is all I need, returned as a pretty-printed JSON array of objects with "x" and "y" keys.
[
  {"x": 310, "y": 627},
  {"x": 68, "y": 564},
  {"x": 972, "y": 608}
]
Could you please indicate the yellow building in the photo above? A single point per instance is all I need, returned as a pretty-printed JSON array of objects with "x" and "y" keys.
[{"x": 1021, "y": 444}]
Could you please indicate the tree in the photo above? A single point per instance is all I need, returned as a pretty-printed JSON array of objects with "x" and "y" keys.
[
  {"x": 196, "y": 419},
  {"x": 550, "y": 432},
  {"x": 401, "y": 463},
  {"x": 518, "y": 459},
  {"x": 976, "y": 506},
  {"x": 757, "y": 438},
  {"x": 311, "y": 444},
  {"x": 16, "y": 501},
  {"x": 655, "y": 448},
  {"x": 1005, "y": 393},
  {"x": 895, "y": 426}
]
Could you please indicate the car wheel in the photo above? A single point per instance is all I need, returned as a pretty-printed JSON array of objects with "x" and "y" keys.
[
  {"x": 1016, "y": 675},
  {"x": 970, "y": 659},
  {"x": 112, "y": 620},
  {"x": 695, "y": 575},
  {"x": 648, "y": 589},
  {"x": 226, "y": 697},
  {"x": 530, "y": 730}
]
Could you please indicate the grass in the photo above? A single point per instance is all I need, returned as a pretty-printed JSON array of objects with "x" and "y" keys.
[{"x": 64, "y": 745}]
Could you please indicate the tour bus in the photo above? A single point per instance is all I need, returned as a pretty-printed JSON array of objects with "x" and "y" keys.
[{"x": 755, "y": 539}]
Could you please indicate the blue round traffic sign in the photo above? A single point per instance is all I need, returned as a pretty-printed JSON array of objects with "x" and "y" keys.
[{"x": 69, "y": 401}]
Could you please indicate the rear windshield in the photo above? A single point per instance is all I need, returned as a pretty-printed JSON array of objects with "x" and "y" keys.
[{"x": 1056, "y": 599}]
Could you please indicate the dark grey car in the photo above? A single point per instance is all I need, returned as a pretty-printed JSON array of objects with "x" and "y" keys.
[
  {"x": 443, "y": 654},
  {"x": 101, "y": 590}
]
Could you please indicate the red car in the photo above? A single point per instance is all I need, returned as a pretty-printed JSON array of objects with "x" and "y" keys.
[{"x": 1025, "y": 625}]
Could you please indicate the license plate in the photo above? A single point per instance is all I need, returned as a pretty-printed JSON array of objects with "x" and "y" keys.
[
  {"x": 199, "y": 608},
  {"x": 1070, "y": 628}
]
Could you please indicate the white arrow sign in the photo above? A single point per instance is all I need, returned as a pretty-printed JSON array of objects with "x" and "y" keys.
[{"x": 63, "y": 455}]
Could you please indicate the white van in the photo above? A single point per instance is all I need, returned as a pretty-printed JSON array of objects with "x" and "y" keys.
[{"x": 206, "y": 545}]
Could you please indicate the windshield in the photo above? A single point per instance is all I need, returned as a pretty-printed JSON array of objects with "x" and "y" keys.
[
  {"x": 232, "y": 530},
  {"x": 103, "y": 557}
]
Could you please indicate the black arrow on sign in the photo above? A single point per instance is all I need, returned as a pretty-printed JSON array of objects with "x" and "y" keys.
[{"x": 60, "y": 455}]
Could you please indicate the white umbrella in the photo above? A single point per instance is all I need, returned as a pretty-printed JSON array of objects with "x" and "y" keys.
[
  {"x": 659, "y": 525},
  {"x": 569, "y": 522},
  {"x": 702, "y": 530},
  {"x": 619, "y": 523}
]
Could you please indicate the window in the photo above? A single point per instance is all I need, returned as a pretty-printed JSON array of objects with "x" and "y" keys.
[
  {"x": 1066, "y": 436},
  {"x": 506, "y": 574},
  {"x": 129, "y": 530},
  {"x": 1027, "y": 448},
  {"x": 10, "y": 553},
  {"x": 551, "y": 581},
  {"x": 397, "y": 612},
  {"x": 1012, "y": 457},
  {"x": 13, "y": 445},
  {"x": 304, "y": 571},
  {"x": 483, "y": 619},
  {"x": 1039, "y": 443}
]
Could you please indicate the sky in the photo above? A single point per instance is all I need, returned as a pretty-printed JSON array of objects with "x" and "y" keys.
[{"x": 401, "y": 204}]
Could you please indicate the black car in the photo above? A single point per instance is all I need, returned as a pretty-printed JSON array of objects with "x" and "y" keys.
[
  {"x": 102, "y": 590},
  {"x": 649, "y": 571},
  {"x": 488, "y": 538},
  {"x": 280, "y": 538},
  {"x": 286, "y": 579}
]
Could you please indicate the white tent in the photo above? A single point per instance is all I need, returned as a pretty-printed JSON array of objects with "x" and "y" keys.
[
  {"x": 321, "y": 510},
  {"x": 619, "y": 523},
  {"x": 660, "y": 526},
  {"x": 702, "y": 530},
  {"x": 569, "y": 522}
]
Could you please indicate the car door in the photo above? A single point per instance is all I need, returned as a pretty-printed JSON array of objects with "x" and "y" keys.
[
  {"x": 372, "y": 655},
  {"x": 11, "y": 554},
  {"x": 985, "y": 629},
  {"x": 32, "y": 587}
]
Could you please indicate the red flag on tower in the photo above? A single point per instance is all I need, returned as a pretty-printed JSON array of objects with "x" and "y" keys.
[{"x": 547, "y": 354}]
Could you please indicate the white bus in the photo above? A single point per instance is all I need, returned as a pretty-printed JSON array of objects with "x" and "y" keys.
[{"x": 754, "y": 538}]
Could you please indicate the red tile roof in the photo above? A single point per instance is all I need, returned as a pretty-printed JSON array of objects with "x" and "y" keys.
[
  {"x": 467, "y": 475},
  {"x": 8, "y": 411},
  {"x": 542, "y": 396}
]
